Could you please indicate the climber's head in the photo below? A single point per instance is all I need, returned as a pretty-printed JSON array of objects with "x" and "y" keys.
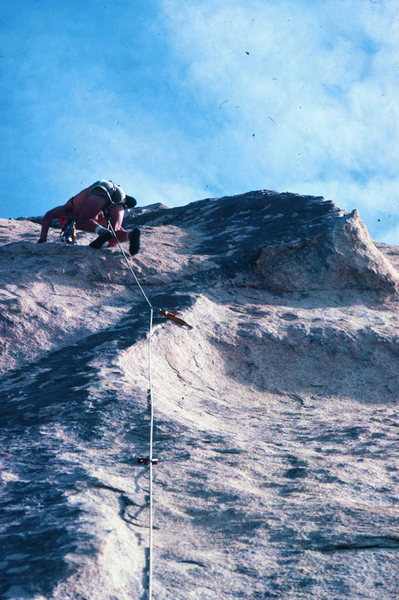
[{"x": 130, "y": 202}]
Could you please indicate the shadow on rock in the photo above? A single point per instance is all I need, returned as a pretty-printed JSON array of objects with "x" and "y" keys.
[{"x": 49, "y": 409}]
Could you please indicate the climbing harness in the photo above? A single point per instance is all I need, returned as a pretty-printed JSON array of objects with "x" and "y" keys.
[
  {"x": 68, "y": 231},
  {"x": 150, "y": 460}
]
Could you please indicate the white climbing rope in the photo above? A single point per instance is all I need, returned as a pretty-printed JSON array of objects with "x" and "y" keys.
[
  {"x": 150, "y": 560},
  {"x": 129, "y": 265},
  {"x": 150, "y": 541}
]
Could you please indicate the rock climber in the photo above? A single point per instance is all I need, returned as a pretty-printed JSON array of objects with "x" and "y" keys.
[{"x": 92, "y": 208}]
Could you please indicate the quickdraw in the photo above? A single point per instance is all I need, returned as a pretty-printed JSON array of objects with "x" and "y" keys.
[
  {"x": 173, "y": 317},
  {"x": 68, "y": 231}
]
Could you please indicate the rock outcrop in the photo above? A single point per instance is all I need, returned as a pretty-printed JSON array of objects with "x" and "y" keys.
[
  {"x": 275, "y": 415},
  {"x": 297, "y": 243},
  {"x": 343, "y": 256}
]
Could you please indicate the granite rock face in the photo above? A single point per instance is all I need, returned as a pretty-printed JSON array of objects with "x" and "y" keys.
[
  {"x": 297, "y": 242},
  {"x": 343, "y": 256},
  {"x": 276, "y": 415}
]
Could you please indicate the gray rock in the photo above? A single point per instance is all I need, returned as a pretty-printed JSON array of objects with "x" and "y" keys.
[
  {"x": 276, "y": 422},
  {"x": 342, "y": 256}
]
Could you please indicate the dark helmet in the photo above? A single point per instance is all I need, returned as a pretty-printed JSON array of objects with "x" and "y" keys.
[{"x": 130, "y": 202}]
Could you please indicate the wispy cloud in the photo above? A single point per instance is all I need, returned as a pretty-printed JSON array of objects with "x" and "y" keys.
[
  {"x": 308, "y": 93},
  {"x": 181, "y": 100}
]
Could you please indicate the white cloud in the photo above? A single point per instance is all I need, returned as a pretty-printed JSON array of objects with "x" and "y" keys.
[
  {"x": 391, "y": 236},
  {"x": 316, "y": 82},
  {"x": 214, "y": 97}
]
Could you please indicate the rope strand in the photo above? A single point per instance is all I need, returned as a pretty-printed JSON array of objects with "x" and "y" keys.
[
  {"x": 128, "y": 264},
  {"x": 150, "y": 541},
  {"x": 150, "y": 560}
]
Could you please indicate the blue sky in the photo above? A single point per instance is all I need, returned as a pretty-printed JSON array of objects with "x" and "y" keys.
[{"x": 179, "y": 101}]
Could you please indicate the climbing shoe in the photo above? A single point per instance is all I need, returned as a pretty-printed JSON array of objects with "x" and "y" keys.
[
  {"x": 134, "y": 241},
  {"x": 102, "y": 238}
]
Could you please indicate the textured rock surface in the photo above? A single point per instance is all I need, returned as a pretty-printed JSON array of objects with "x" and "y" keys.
[
  {"x": 343, "y": 256},
  {"x": 298, "y": 242},
  {"x": 276, "y": 419}
]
